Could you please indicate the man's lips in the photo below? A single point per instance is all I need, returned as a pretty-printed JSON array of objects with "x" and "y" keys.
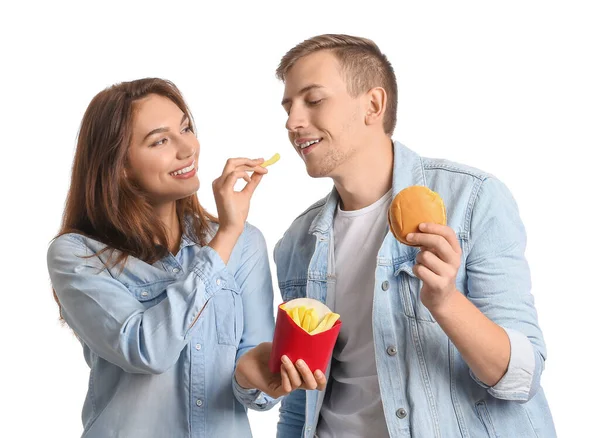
[
  {"x": 306, "y": 142},
  {"x": 308, "y": 147}
]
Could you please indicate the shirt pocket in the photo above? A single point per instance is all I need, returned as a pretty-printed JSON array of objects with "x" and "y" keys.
[
  {"x": 410, "y": 288},
  {"x": 226, "y": 304},
  {"x": 410, "y": 293}
]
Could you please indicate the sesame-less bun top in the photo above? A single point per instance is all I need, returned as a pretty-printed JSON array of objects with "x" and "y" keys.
[{"x": 412, "y": 206}]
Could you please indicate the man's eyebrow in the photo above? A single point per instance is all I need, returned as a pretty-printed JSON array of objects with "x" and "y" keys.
[
  {"x": 304, "y": 90},
  {"x": 164, "y": 129}
]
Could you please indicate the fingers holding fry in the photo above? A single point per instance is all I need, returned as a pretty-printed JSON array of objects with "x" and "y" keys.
[{"x": 274, "y": 159}]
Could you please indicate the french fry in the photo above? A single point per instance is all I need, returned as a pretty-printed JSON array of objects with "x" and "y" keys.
[
  {"x": 333, "y": 317},
  {"x": 313, "y": 318},
  {"x": 295, "y": 315},
  {"x": 306, "y": 320},
  {"x": 301, "y": 312},
  {"x": 314, "y": 322},
  {"x": 310, "y": 321},
  {"x": 326, "y": 323},
  {"x": 274, "y": 159}
]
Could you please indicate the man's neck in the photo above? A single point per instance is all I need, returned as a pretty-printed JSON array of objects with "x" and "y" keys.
[
  {"x": 167, "y": 213},
  {"x": 368, "y": 177}
]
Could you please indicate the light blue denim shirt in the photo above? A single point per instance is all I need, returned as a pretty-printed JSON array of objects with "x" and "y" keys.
[
  {"x": 426, "y": 387},
  {"x": 162, "y": 340}
]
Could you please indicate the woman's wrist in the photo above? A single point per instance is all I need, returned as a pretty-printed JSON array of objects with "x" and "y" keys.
[
  {"x": 230, "y": 232},
  {"x": 224, "y": 242},
  {"x": 241, "y": 381}
]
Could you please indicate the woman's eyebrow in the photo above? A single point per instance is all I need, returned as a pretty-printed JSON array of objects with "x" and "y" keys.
[{"x": 164, "y": 129}]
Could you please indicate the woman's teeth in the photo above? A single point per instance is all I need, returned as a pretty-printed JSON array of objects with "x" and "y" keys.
[
  {"x": 184, "y": 170},
  {"x": 308, "y": 143}
]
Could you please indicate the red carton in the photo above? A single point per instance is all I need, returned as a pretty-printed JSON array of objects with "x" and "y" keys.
[{"x": 293, "y": 341}]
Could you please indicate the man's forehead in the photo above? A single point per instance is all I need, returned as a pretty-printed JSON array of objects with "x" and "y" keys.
[
  {"x": 314, "y": 71},
  {"x": 314, "y": 67}
]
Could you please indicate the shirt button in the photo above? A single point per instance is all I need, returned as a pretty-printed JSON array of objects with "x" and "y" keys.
[
  {"x": 198, "y": 346},
  {"x": 218, "y": 282},
  {"x": 199, "y": 403},
  {"x": 401, "y": 413},
  {"x": 144, "y": 293},
  {"x": 385, "y": 285},
  {"x": 176, "y": 270},
  {"x": 392, "y": 350}
]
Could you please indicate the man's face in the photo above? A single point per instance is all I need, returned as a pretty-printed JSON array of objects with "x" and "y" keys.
[{"x": 325, "y": 124}]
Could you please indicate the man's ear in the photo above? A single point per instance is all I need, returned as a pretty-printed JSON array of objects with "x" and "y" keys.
[{"x": 376, "y": 104}]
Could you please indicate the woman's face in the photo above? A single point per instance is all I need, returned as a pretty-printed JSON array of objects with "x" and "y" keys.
[{"x": 163, "y": 155}]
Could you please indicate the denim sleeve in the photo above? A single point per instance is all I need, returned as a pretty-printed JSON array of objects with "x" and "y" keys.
[
  {"x": 499, "y": 284},
  {"x": 292, "y": 415},
  {"x": 113, "y": 323},
  {"x": 253, "y": 277},
  {"x": 521, "y": 367}
]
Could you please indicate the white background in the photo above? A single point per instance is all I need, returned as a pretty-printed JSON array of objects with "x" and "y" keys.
[{"x": 511, "y": 88}]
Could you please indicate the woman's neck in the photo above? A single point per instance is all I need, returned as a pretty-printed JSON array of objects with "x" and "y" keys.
[{"x": 167, "y": 213}]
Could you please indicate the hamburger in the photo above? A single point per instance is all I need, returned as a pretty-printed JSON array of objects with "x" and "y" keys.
[{"x": 413, "y": 206}]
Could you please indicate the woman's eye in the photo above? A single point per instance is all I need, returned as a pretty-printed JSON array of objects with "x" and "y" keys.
[
  {"x": 159, "y": 142},
  {"x": 315, "y": 102},
  {"x": 187, "y": 129}
]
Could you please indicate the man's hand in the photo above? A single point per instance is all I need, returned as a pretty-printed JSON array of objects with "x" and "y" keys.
[
  {"x": 437, "y": 263},
  {"x": 252, "y": 371},
  {"x": 484, "y": 345}
]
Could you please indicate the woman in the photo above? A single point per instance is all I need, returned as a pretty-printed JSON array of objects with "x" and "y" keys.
[{"x": 162, "y": 299}]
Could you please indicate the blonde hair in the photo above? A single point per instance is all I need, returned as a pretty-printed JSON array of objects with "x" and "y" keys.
[{"x": 362, "y": 63}]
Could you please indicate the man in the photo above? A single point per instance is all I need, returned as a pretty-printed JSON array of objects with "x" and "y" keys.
[{"x": 438, "y": 340}]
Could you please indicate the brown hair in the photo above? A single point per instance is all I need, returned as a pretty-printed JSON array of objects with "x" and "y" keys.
[
  {"x": 102, "y": 203},
  {"x": 361, "y": 61}
]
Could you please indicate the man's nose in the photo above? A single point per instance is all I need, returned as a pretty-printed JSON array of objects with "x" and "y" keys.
[{"x": 297, "y": 119}]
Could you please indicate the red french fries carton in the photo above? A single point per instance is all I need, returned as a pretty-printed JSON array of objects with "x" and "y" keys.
[{"x": 296, "y": 343}]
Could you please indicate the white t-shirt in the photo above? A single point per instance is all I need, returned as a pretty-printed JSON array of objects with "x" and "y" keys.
[{"x": 352, "y": 405}]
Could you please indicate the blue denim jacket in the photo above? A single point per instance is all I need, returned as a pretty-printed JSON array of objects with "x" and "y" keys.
[
  {"x": 162, "y": 340},
  {"x": 426, "y": 387}
]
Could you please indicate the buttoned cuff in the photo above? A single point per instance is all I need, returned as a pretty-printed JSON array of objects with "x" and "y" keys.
[
  {"x": 252, "y": 398},
  {"x": 516, "y": 382},
  {"x": 212, "y": 271}
]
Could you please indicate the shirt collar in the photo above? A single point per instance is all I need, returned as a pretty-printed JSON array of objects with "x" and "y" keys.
[{"x": 408, "y": 171}]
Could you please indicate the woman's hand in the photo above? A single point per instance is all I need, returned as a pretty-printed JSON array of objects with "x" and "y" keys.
[
  {"x": 252, "y": 372},
  {"x": 232, "y": 206},
  {"x": 298, "y": 376}
]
